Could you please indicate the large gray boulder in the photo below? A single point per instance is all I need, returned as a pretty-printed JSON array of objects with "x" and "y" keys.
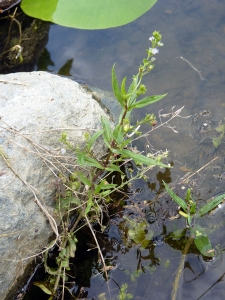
[{"x": 35, "y": 108}]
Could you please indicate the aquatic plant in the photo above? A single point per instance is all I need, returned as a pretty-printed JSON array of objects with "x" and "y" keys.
[
  {"x": 88, "y": 190},
  {"x": 98, "y": 14},
  {"x": 195, "y": 233},
  {"x": 123, "y": 295}
]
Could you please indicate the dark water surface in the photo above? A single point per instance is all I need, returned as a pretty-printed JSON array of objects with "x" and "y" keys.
[{"x": 194, "y": 30}]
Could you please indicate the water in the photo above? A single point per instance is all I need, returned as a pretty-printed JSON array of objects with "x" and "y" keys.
[{"x": 194, "y": 30}]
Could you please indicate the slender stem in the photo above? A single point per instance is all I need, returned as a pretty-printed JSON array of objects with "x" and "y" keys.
[{"x": 180, "y": 269}]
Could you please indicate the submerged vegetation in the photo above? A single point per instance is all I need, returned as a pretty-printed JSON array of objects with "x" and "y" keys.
[{"x": 194, "y": 233}]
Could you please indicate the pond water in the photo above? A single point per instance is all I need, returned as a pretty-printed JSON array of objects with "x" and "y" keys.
[{"x": 195, "y": 31}]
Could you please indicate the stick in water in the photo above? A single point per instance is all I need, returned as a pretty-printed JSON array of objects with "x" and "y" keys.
[{"x": 190, "y": 64}]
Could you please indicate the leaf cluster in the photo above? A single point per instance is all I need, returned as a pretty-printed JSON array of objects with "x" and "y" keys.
[{"x": 188, "y": 210}]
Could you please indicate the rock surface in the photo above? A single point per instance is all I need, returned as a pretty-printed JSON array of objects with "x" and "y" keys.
[{"x": 35, "y": 108}]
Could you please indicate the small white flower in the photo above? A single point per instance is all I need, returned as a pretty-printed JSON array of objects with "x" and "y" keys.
[
  {"x": 155, "y": 50},
  {"x": 63, "y": 151},
  {"x": 151, "y": 38},
  {"x": 160, "y": 44},
  {"x": 153, "y": 59}
]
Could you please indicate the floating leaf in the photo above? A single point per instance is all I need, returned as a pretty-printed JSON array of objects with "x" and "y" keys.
[
  {"x": 86, "y": 14},
  {"x": 204, "y": 245}
]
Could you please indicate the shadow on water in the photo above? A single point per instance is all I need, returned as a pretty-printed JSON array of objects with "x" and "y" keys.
[{"x": 193, "y": 30}]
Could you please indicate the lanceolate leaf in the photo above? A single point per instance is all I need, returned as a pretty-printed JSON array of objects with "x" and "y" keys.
[
  {"x": 177, "y": 199},
  {"x": 91, "y": 162},
  {"x": 211, "y": 204},
  {"x": 113, "y": 168},
  {"x": 87, "y": 14},
  {"x": 107, "y": 131},
  {"x": 118, "y": 134},
  {"x": 115, "y": 87},
  {"x": 84, "y": 179},
  {"x": 93, "y": 139},
  {"x": 139, "y": 158},
  {"x": 123, "y": 87},
  {"x": 146, "y": 101}
]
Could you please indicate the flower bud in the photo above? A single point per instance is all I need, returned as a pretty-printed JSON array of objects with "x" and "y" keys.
[{"x": 126, "y": 127}]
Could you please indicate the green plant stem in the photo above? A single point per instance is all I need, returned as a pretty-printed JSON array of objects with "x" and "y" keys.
[
  {"x": 57, "y": 279},
  {"x": 180, "y": 268},
  {"x": 81, "y": 214}
]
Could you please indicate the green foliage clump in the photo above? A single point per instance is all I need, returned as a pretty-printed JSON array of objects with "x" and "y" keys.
[
  {"x": 188, "y": 209},
  {"x": 88, "y": 190}
]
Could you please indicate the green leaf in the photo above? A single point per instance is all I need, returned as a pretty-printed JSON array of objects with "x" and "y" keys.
[
  {"x": 133, "y": 85},
  {"x": 89, "y": 204},
  {"x": 139, "y": 158},
  {"x": 211, "y": 204},
  {"x": 188, "y": 196},
  {"x": 104, "y": 186},
  {"x": 118, "y": 134},
  {"x": 189, "y": 218},
  {"x": 113, "y": 168},
  {"x": 86, "y": 14},
  {"x": 146, "y": 101},
  {"x": 177, "y": 199},
  {"x": 84, "y": 179},
  {"x": 115, "y": 87},
  {"x": 92, "y": 162},
  {"x": 204, "y": 245},
  {"x": 93, "y": 139},
  {"x": 75, "y": 200},
  {"x": 132, "y": 91},
  {"x": 193, "y": 208},
  {"x": 105, "y": 193},
  {"x": 107, "y": 131},
  {"x": 65, "y": 203},
  {"x": 43, "y": 287},
  {"x": 80, "y": 158},
  {"x": 123, "y": 87}
]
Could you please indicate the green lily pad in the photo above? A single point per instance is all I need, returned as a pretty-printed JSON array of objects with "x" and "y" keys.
[{"x": 87, "y": 14}]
